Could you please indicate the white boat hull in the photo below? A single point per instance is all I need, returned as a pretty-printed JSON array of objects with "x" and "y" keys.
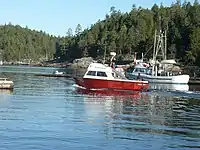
[
  {"x": 169, "y": 87},
  {"x": 178, "y": 79}
]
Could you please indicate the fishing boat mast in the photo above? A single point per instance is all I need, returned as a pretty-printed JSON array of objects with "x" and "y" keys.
[{"x": 160, "y": 46}]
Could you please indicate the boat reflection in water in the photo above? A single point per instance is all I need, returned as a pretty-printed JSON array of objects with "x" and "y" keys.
[
  {"x": 136, "y": 116},
  {"x": 109, "y": 103},
  {"x": 6, "y": 91},
  {"x": 119, "y": 93},
  {"x": 5, "y": 96},
  {"x": 169, "y": 87}
]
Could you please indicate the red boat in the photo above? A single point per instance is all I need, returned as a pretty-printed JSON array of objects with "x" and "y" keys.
[{"x": 100, "y": 76}]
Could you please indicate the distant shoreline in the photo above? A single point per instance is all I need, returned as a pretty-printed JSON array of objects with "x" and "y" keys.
[
  {"x": 75, "y": 65},
  {"x": 56, "y": 65}
]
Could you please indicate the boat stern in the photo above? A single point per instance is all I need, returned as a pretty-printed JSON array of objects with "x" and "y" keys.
[{"x": 181, "y": 79}]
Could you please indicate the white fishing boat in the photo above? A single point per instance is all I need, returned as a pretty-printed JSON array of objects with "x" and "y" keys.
[
  {"x": 139, "y": 71},
  {"x": 160, "y": 72}
]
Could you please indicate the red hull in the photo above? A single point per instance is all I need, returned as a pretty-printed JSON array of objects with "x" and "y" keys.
[
  {"x": 134, "y": 94},
  {"x": 89, "y": 83}
]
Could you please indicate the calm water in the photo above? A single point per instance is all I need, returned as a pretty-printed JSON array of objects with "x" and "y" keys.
[{"x": 50, "y": 113}]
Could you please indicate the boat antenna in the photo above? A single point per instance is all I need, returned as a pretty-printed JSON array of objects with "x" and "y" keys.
[
  {"x": 165, "y": 52},
  {"x": 104, "y": 57},
  {"x": 142, "y": 56},
  {"x": 113, "y": 54}
]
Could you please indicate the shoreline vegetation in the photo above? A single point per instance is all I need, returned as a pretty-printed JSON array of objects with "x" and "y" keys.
[
  {"x": 78, "y": 66},
  {"x": 124, "y": 33}
]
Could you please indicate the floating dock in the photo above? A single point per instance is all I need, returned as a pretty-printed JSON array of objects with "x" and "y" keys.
[
  {"x": 6, "y": 84},
  {"x": 55, "y": 75}
]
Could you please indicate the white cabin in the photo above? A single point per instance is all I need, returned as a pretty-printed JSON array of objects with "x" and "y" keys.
[{"x": 100, "y": 71}]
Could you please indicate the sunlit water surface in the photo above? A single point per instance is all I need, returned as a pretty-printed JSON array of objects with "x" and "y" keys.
[{"x": 51, "y": 113}]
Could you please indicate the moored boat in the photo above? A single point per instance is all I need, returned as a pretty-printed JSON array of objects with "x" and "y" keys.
[
  {"x": 165, "y": 71},
  {"x": 99, "y": 76},
  {"x": 146, "y": 74},
  {"x": 6, "y": 84}
]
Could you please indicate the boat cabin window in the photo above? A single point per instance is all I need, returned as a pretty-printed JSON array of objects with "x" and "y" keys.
[
  {"x": 101, "y": 74},
  {"x": 143, "y": 70},
  {"x": 91, "y": 73}
]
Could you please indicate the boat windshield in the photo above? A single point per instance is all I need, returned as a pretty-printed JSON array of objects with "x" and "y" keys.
[
  {"x": 141, "y": 70},
  {"x": 97, "y": 73}
]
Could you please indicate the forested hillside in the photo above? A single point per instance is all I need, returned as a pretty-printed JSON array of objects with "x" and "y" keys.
[
  {"x": 123, "y": 33},
  {"x": 23, "y": 44},
  {"x": 130, "y": 32}
]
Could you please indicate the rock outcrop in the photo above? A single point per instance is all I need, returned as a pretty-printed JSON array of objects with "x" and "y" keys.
[{"x": 82, "y": 62}]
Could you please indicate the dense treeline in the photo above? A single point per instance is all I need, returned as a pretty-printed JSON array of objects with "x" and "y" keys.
[
  {"x": 126, "y": 33},
  {"x": 23, "y": 44}
]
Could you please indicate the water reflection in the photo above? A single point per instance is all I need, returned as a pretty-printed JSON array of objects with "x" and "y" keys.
[
  {"x": 5, "y": 97},
  {"x": 169, "y": 87},
  {"x": 147, "y": 114},
  {"x": 115, "y": 93},
  {"x": 6, "y": 91},
  {"x": 47, "y": 113},
  {"x": 26, "y": 69}
]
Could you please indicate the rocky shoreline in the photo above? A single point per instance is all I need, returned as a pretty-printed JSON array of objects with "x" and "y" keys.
[
  {"x": 84, "y": 62},
  {"x": 77, "y": 63}
]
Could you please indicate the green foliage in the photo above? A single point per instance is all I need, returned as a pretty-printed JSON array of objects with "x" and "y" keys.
[
  {"x": 134, "y": 32},
  {"x": 124, "y": 33},
  {"x": 23, "y": 44},
  {"x": 194, "y": 51}
]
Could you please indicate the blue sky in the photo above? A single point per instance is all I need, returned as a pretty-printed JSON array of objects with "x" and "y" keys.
[{"x": 56, "y": 16}]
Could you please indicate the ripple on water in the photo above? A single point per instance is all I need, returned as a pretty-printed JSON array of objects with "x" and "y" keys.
[{"x": 48, "y": 113}]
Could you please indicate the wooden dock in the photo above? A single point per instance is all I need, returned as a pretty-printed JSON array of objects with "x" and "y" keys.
[
  {"x": 54, "y": 75},
  {"x": 60, "y": 75}
]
